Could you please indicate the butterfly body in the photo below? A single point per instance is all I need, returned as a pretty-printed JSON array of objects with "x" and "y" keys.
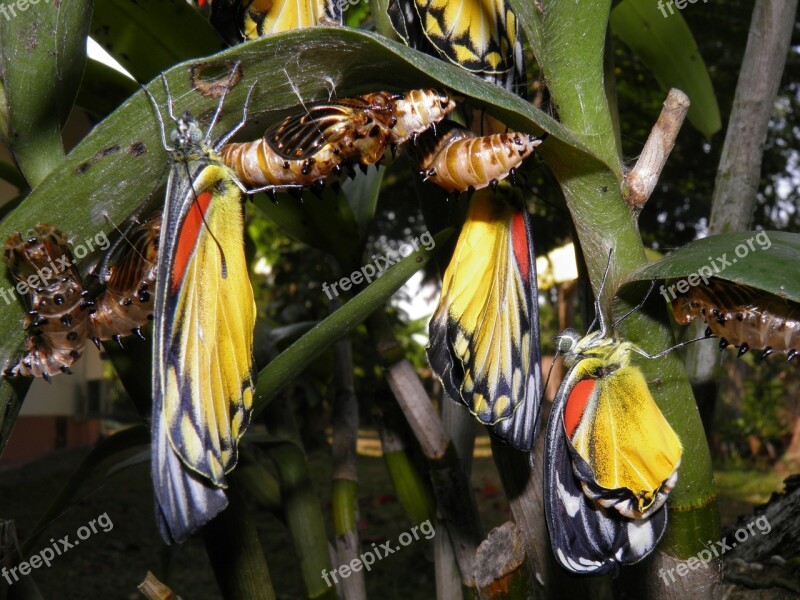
[{"x": 203, "y": 370}]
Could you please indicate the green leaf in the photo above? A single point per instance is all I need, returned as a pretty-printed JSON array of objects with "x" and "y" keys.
[
  {"x": 667, "y": 47},
  {"x": 43, "y": 52},
  {"x": 120, "y": 163},
  {"x": 362, "y": 193},
  {"x": 765, "y": 260},
  {"x": 149, "y": 36}
]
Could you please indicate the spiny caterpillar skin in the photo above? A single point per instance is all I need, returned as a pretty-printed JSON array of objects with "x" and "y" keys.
[
  {"x": 742, "y": 316},
  {"x": 458, "y": 160},
  {"x": 127, "y": 302},
  {"x": 61, "y": 317},
  {"x": 310, "y": 147},
  {"x": 58, "y": 307}
]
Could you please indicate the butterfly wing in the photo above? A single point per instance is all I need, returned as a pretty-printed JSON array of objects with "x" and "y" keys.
[
  {"x": 624, "y": 449},
  {"x": 265, "y": 17},
  {"x": 586, "y": 537},
  {"x": 203, "y": 376},
  {"x": 484, "y": 335},
  {"x": 478, "y": 35}
]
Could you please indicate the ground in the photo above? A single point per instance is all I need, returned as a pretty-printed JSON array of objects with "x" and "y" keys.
[{"x": 110, "y": 564}]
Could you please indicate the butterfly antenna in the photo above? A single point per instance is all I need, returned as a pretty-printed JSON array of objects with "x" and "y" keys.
[
  {"x": 598, "y": 313},
  {"x": 241, "y": 123},
  {"x": 637, "y": 307},
  {"x": 203, "y": 217},
  {"x": 234, "y": 70},
  {"x": 162, "y": 129}
]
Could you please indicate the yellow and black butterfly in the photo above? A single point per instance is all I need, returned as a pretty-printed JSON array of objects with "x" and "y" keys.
[
  {"x": 484, "y": 335},
  {"x": 742, "y": 316},
  {"x": 238, "y": 20},
  {"x": 611, "y": 458},
  {"x": 481, "y": 36},
  {"x": 203, "y": 371}
]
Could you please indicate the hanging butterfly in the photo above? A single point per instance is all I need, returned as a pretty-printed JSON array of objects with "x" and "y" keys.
[
  {"x": 203, "y": 371},
  {"x": 307, "y": 148},
  {"x": 611, "y": 457},
  {"x": 457, "y": 160},
  {"x": 480, "y": 36},
  {"x": 485, "y": 352},
  {"x": 58, "y": 306},
  {"x": 238, "y": 20},
  {"x": 742, "y": 316}
]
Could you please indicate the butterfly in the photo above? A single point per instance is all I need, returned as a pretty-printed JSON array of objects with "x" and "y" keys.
[
  {"x": 203, "y": 370},
  {"x": 611, "y": 457},
  {"x": 484, "y": 334},
  {"x": 740, "y": 315},
  {"x": 310, "y": 147},
  {"x": 239, "y": 20},
  {"x": 481, "y": 36}
]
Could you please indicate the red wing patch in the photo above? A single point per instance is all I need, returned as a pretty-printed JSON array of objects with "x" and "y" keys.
[
  {"x": 520, "y": 240},
  {"x": 187, "y": 241},
  {"x": 576, "y": 403}
]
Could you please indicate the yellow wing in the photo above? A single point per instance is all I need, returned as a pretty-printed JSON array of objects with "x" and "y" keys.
[
  {"x": 204, "y": 371},
  {"x": 484, "y": 342},
  {"x": 478, "y": 35},
  {"x": 616, "y": 427}
]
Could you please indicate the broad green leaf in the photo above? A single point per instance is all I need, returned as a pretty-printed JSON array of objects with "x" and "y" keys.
[
  {"x": 149, "y": 36},
  {"x": 103, "y": 89},
  {"x": 42, "y": 55},
  {"x": 666, "y": 45},
  {"x": 119, "y": 165},
  {"x": 765, "y": 260}
]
